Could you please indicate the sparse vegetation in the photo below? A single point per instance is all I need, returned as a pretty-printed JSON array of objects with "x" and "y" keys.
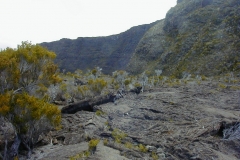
[
  {"x": 154, "y": 156},
  {"x": 129, "y": 145},
  {"x": 118, "y": 135},
  {"x": 99, "y": 113},
  {"x": 92, "y": 145},
  {"x": 84, "y": 154},
  {"x": 142, "y": 148},
  {"x": 105, "y": 142},
  {"x": 97, "y": 85},
  {"x": 222, "y": 86}
]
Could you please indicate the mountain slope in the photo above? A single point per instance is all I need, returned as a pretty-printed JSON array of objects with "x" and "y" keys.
[
  {"x": 110, "y": 53},
  {"x": 199, "y": 37}
]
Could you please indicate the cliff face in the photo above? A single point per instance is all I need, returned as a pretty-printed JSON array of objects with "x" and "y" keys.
[
  {"x": 110, "y": 53},
  {"x": 197, "y": 36},
  {"x": 201, "y": 37}
]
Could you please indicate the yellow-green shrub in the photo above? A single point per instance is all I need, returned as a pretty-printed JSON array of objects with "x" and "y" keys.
[
  {"x": 137, "y": 84},
  {"x": 118, "y": 135},
  {"x": 105, "y": 142},
  {"x": 223, "y": 86},
  {"x": 154, "y": 156},
  {"x": 93, "y": 143},
  {"x": 235, "y": 88},
  {"x": 204, "y": 78},
  {"x": 97, "y": 85},
  {"x": 83, "y": 90},
  {"x": 25, "y": 109},
  {"x": 128, "y": 145},
  {"x": 27, "y": 69},
  {"x": 80, "y": 155},
  {"x": 142, "y": 148},
  {"x": 127, "y": 82},
  {"x": 99, "y": 113}
]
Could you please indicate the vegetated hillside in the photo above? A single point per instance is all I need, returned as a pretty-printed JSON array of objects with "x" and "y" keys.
[
  {"x": 197, "y": 36},
  {"x": 110, "y": 53},
  {"x": 201, "y": 37}
]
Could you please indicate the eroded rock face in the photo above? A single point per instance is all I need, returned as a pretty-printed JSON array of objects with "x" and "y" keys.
[
  {"x": 182, "y": 122},
  {"x": 192, "y": 37}
]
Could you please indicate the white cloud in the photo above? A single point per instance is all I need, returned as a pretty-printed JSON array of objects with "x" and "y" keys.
[{"x": 49, "y": 20}]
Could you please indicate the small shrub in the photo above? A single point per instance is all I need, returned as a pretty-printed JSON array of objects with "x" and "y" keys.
[
  {"x": 77, "y": 156},
  {"x": 118, "y": 135},
  {"x": 83, "y": 90},
  {"x": 86, "y": 154},
  {"x": 127, "y": 82},
  {"x": 93, "y": 143},
  {"x": 204, "y": 78},
  {"x": 223, "y": 86},
  {"x": 185, "y": 81},
  {"x": 106, "y": 123},
  {"x": 142, "y": 148},
  {"x": 97, "y": 85},
  {"x": 15, "y": 158},
  {"x": 72, "y": 158},
  {"x": 105, "y": 142},
  {"x": 99, "y": 113},
  {"x": 154, "y": 156},
  {"x": 128, "y": 145},
  {"x": 235, "y": 88},
  {"x": 63, "y": 87},
  {"x": 137, "y": 84},
  {"x": 116, "y": 86},
  {"x": 120, "y": 77},
  {"x": 94, "y": 71},
  {"x": 80, "y": 155}
]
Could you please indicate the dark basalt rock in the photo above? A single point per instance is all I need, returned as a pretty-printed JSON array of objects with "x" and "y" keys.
[
  {"x": 136, "y": 90},
  {"x": 87, "y": 105}
]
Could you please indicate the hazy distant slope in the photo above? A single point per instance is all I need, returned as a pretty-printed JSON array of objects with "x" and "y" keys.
[{"x": 111, "y": 52}]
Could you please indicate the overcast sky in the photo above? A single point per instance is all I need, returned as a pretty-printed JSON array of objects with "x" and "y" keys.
[{"x": 50, "y": 20}]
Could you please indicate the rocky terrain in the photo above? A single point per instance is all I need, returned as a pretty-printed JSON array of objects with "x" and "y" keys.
[{"x": 173, "y": 122}]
